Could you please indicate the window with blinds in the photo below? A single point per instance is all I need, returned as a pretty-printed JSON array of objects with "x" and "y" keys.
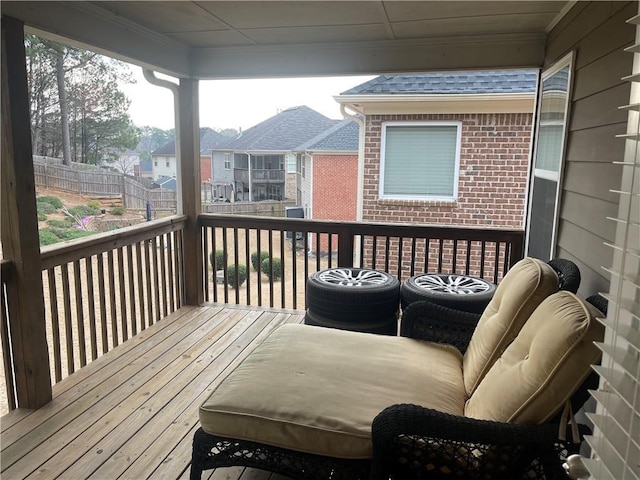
[
  {"x": 616, "y": 440},
  {"x": 420, "y": 160}
]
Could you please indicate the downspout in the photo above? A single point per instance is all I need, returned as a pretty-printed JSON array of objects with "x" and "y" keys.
[
  {"x": 150, "y": 76},
  {"x": 360, "y": 183},
  {"x": 250, "y": 179}
]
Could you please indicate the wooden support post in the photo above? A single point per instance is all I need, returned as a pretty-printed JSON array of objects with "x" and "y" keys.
[
  {"x": 19, "y": 234},
  {"x": 188, "y": 177}
]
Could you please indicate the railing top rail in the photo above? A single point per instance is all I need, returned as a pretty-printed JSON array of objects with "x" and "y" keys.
[
  {"x": 66, "y": 252},
  {"x": 392, "y": 230}
]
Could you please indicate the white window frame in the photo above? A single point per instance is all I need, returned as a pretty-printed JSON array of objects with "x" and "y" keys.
[
  {"x": 456, "y": 175},
  {"x": 227, "y": 161}
]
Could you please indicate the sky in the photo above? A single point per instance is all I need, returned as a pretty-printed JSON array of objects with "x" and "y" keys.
[{"x": 238, "y": 103}]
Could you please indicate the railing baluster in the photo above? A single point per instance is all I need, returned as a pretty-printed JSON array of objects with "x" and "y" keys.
[
  {"x": 147, "y": 262},
  {"x": 483, "y": 250},
  {"x": 259, "y": 247},
  {"x": 115, "y": 337},
  {"x": 92, "y": 307},
  {"x": 317, "y": 244},
  {"x": 226, "y": 270},
  {"x": 294, "y": 271},
  {"x": 68, "y": 329},
  {"x": 270, "y": 256},
  {"x": 179, "y": 283},
  {"x": 214, "y": 249},
  {"x": 412, "y": 270},
  {"x": 6, "y": 358},
  {"x": 77, "y": 281},
  {"x": 123, "y": 296},
  {"x": 143, "y": 321},
  {"x": 282, "y": 267},
  {"x": 205, "y": 263},
  {"x": 306, "y": 267},
  {"x": 170, "y": 267},
  {"x": 468, "y": 258},
  {"x": 496, "y": 262},
  {"x": 236, "y": 261},
  {"x": 156, "y": 278},
  {"x": 132, "y": 291},
  {"x": 440, "y": 254},
  {"x": 103, "y": 304},
  {"x": 454, "y": 264},
  {"x": 163, "y": 275},
  {"x": 247, "y": 256},
  {"x": 55, "y": 325}
]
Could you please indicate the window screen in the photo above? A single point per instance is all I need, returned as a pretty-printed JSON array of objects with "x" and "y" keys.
[{"x": 420, "y": 161}]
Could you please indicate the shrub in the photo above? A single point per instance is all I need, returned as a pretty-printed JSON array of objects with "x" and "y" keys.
[
  {"x": 82, "y": 211},
  {"x": 54, "y": 201},
  {"x": 66, "y": 233},
  {"x": 275, "y": 273},
  {"x": 60, "y": 223},
  {"x": 42, "y": 217},
  {"x": 231, "y": 275},
  {"x": 47, "y": 237},
  {"x": 117, "y": 211},
  {"x": 255, "y": 263},
  {"x": 217, "y": 259},
  {"x": 45, "y": 208},
  {"x": 94, "y": 204}
]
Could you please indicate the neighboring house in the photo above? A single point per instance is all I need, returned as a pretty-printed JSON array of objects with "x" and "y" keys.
[
  {"x": 446, "y": 147},
  {"x": 253, "y": 161},
  {"x": 328, "y": 169},
  {"x": 164, "y": 158},
  {"x": 166, "y": 183},
  {"x": 144, "y": 169}
]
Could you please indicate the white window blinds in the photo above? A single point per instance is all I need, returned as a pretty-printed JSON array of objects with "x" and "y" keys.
[
  {"x": 616, "y": 440},
  {"x": 420, "y": 161}
]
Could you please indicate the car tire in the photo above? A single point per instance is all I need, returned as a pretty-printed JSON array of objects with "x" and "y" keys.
[
  {"x": 353, "y": 295},
  {"x": 387, "y": 326},
  {"x": 459, "y": 292}
]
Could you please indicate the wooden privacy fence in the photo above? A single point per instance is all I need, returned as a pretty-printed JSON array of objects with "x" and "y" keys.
[{"x": 103, "y": 183}]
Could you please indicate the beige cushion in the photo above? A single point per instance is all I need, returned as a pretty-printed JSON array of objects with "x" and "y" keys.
[
  {"x": 317, "y": 390},
  {"x": 544, "y": 365},
  {"x": 522, "y": 289}
]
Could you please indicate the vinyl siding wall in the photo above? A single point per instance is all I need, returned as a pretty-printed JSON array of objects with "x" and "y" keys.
[{"x": 596, "y": 32}]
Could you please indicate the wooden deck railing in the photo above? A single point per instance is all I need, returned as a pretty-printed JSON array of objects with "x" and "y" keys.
[
  {"x": 101, "y": 290},
  {"x": 402, "y": 250},
  {"x": 6, "y": 275},
  {"x": 114, "y": 284}
]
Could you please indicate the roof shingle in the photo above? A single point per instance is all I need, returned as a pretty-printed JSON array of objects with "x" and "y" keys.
[
  {"x": 282, "y": 132},
  {"x": 448, "y": 83}
]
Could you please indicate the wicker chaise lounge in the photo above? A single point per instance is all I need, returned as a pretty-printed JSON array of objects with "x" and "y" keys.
[{"x": 302, "y": 404}]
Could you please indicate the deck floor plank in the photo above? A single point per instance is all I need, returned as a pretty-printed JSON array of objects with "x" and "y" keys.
[
  {"x": 108, "y": 396},
  {"x": 132, "y": 412}
]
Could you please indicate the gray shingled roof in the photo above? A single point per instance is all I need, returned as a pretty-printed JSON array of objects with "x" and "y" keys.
[
  {"x": 342, "y": 137},
  {"x": 209, "y": 139},
  {"x": 282, "y": 132},
  {"x": 495, "y": 81}
]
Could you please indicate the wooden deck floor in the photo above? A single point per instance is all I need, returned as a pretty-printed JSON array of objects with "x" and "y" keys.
[{"x": 132, "y": 413}]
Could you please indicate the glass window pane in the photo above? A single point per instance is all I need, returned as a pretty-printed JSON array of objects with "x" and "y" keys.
[{"x": 420, "y": 160}]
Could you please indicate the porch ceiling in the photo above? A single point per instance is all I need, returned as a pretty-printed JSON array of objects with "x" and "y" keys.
[{"x": 216, "y": 39}]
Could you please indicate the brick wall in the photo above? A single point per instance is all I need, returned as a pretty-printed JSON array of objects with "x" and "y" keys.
[
  {"x": 206, "y": 175},
  {"x": 335, "y": 192},
  {"x": 492, "y": 186}
]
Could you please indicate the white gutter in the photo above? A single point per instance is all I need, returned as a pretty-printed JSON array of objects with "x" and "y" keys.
[{"x": 150, "y": 76}]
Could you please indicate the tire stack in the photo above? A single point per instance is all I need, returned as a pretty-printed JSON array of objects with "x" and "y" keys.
[
  {"x": 460, "y": 292},
  {"x": 354, "y": 299}
]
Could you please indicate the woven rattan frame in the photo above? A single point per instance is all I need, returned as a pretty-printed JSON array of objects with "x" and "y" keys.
[
  {"x": 210, "y": 451},
  {"x": 412, "y": 442}
]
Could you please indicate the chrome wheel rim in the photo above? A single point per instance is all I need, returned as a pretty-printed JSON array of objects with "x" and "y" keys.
[
  {"x": 455, "y": 284},
  {"x": 350, "y": 278}
]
